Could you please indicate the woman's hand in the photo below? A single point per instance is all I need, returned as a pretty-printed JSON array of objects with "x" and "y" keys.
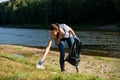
[
  {"x": 40, "y": 65},
  {"x": 41, "y": 62}
]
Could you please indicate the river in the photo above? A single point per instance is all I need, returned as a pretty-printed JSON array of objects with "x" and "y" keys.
[{"x": 92, "y": 40}]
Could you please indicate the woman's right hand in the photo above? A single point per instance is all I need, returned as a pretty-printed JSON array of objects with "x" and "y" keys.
[
  {"x": 40, "y": 65},
  {"x": 40, "y": 62}
]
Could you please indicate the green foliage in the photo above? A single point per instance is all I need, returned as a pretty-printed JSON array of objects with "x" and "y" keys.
[{"x": 74, "y": 12}]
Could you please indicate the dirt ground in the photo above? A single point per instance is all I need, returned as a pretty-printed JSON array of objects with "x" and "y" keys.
[{"x": 104, "y": 67}]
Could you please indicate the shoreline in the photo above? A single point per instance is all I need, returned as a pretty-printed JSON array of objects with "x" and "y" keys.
[
  {"x": 88, "y": 52},
  {"x": 112, "y": 27}
]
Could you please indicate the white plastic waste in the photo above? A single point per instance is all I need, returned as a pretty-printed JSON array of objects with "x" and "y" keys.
[{"x": 40, "y": 67}]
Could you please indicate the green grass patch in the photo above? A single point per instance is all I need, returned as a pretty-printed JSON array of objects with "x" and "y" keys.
[
  {"x": 18, "y": 49},
  {"x": 17, "y": 68},
  {"x": 15, "y": 76},
  {"x": 102, "y": 58},
  {"x": 18, "y": 59},
  {"x": 75, "y": 76}
]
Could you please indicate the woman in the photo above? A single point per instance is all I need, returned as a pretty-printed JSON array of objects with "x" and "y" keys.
[{"x": 61, "y": 33}]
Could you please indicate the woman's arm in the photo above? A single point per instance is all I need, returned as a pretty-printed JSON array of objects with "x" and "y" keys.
[
  {"x": 73, "y": 33},
  {"x": 47, "y": 49}
]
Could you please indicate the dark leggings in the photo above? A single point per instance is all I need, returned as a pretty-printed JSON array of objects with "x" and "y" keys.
[{"x": 61, "y": 46}]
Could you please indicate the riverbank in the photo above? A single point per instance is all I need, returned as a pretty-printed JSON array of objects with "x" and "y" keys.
[
  {"x": 110, "y": 27},
  {"x": 18, "y": 62}
]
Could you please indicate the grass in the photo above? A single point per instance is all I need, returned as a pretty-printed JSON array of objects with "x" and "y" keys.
[
  {"x": 102, "y": 58},
  {"x": 17, "y": 68},
  {"x": 14, "y": 67},
  {"x": 75, "y": 77},
  {"x": 18, "y": 49},
  {"x": 17, "y": 59}
]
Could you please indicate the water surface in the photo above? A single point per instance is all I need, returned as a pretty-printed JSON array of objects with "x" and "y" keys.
[{"x": 92, "y": 40}]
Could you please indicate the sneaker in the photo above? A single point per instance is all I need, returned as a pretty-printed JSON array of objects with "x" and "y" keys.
[{"x": 40, "y": 67}]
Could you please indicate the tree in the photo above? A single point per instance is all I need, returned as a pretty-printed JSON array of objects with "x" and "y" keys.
[{"x": 74, "y": 12}]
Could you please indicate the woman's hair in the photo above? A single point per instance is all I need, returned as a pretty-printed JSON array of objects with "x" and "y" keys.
[
  {"x": 57, "y": 28},
  {"x": 53, "y": 27}
]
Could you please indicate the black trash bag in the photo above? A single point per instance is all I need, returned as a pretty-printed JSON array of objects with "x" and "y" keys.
[{"x": 74, "y": 55}]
